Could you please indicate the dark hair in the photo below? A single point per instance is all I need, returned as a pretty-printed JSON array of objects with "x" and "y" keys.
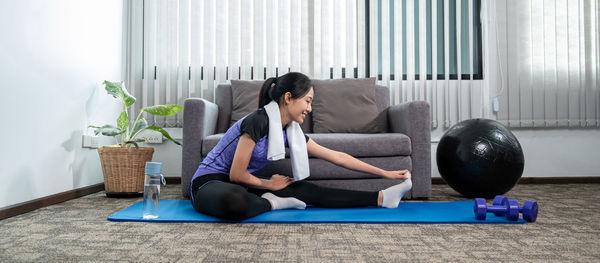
[{"x": 273, "y": 88}]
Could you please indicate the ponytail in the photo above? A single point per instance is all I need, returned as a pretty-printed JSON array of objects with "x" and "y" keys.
[
  {"x": 296, "y": 83},
  {"x": 264, "y": 96}
]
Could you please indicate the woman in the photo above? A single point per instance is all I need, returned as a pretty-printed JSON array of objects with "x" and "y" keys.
[{"x": 224, "y": 187}]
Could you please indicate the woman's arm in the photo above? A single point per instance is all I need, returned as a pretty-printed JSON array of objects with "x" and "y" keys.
[
  {"x": 347, "y": 161},
  {"x": 238, "y": 172}
]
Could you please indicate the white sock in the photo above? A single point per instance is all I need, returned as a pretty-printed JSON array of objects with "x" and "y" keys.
[
  {"x": 393, "y": 195},
  {"x": 283, "y": 203}
]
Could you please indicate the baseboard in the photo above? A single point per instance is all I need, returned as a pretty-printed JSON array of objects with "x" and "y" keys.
[
  {"x": 29, "y": 206},
  {"x": 543, "y": 180},
  {"x": 173, "y": 180}
]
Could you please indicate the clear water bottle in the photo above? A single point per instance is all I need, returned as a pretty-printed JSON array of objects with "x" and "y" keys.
[{"x": 152, "y": 182}]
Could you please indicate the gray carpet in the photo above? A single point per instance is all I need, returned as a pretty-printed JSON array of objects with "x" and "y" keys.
[{"x": 568, "y": 229}]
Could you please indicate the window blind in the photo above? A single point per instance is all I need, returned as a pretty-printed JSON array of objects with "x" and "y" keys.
[
  {"x": 181, "y": 48},
  {"x": 547, "y": 62},
  {"x": 421, "y": 49},
  {"x": 429, "y": 50}
]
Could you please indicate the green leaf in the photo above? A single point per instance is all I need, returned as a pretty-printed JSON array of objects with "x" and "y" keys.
[
  {"x": 128, "y": 98},
  {"x": 123, "y": 121},
  {"x": 138, "y": 127},
  {"x": 97, "y": 129},
  {"x": 163, "y": 110},
  {"x": 118, "y": 90},
  {"x": 113, "y": 88},
  {"x": 164, "y": 133},
  {"x": 108, "y": 130}
]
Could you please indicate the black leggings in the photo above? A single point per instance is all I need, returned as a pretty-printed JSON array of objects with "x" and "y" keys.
[{"x": 220, "y": 198}]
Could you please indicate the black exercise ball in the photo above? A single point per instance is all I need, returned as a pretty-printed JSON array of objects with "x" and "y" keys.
[{"x": 480, "y": 158}]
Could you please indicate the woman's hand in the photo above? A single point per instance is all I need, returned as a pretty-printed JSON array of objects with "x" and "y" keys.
[
  {"x": 278, "y": 182},
  {"x": 402, "y": 174}
]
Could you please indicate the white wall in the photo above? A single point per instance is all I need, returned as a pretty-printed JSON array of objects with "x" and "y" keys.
[
  {"x": 168, "y": 153},
  {"x": 550, "y": 152},
  {"x": 53, "y": 55}
]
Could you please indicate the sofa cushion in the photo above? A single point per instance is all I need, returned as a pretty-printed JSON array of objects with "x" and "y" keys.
[
  {"x": 365, "y": 145},
  {"x": 357, "y": 145},
  {"x": 244, "y": 98},
  {"x": 345, "y": 106},
  {"x": 324, "y": 170}
]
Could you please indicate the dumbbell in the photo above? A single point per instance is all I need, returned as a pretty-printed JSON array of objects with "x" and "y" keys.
[
  {"x": 529, "y": 208},
  {"x": 503, "y": 206}
]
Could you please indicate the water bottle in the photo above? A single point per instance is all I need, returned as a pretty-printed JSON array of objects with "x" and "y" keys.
[{"x": 152, "y": 181}]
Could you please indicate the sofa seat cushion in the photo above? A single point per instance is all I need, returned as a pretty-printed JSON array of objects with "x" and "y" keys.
[
  {"x": 324, "y": 170},
  {"x": 355, "y": 144},
  {"x": 365, "y": 145}
]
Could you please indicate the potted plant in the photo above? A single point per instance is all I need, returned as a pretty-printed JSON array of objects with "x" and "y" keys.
[{"x": 123, "y": 165}]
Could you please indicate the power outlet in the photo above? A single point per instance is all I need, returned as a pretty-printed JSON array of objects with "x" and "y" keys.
[
  {"x": 154, "y": 137},
  {"x": 495, "y": 105},
  {"x": 89, "y": 141}
]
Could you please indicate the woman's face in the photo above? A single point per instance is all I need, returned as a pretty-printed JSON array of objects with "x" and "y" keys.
[{"x": 300, "y": 107}]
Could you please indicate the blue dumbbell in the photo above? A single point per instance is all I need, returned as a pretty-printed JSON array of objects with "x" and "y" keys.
[
  {"x": 498, "y": 200},
  {"x": 529, "y": 208},
  {"x": 503, "y": 206}
]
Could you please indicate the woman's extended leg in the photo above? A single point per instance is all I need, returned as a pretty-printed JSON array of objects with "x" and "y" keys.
[
  {"x": 328, "y": 197},
  {"x": 331, "y": 197}
]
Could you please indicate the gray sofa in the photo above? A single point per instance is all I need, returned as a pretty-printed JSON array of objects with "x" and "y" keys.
[{"x": 405, "y": 145}]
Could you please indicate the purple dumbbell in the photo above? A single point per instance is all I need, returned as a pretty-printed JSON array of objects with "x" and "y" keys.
[
  {"x": 529, "y": 208},
  {"x": 498, "y": 200},
  {"x": 503, "y": 206}
]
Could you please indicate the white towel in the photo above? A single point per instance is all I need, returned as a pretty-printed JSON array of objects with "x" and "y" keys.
[{"x": 296, "y": 142}]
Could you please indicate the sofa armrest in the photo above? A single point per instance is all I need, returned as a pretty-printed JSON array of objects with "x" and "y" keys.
[
  {"x": 199, "y": 121},
  {"x": 414, "y": 119}
]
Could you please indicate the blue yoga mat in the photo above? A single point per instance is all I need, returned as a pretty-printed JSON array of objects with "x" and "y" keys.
[{"x": 459, "y": 212}]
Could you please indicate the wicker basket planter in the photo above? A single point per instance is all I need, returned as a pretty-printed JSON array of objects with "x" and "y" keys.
[{"x": 123, "y": 169}]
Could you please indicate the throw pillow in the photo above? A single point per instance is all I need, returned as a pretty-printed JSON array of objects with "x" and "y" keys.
[
  {"x": 245, "y": 98},
  {"x": 345, "y": 106}
]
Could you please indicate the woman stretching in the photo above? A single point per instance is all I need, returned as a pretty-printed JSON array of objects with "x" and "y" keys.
[{"x": 224, "y": 187}]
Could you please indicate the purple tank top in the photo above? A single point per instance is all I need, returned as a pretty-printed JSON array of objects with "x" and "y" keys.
[{"x": 220, "y": 158}]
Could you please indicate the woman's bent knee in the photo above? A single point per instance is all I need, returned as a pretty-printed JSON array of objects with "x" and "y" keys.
[
  {"x": 234, "y": 205},
  {"x": 228, "y": 201}
]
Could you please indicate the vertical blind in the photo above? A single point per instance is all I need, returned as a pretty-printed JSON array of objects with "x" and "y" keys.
[
  {"x": 547, "y": 66},
  {"x": 421, "y": 49},
  {"x": 429, "y": 50},
  {"x": 548, "y": 62},
  {"x": 182, "y": 48}
]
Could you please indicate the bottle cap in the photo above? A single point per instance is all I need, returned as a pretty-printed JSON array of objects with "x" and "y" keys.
[{"x": 153, "y": 168}]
